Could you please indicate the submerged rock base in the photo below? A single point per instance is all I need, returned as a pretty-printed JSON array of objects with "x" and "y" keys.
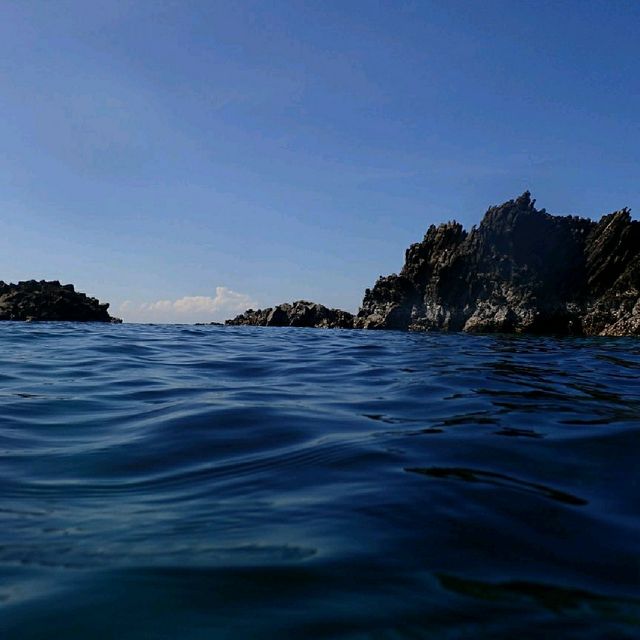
[
  {"x": 520, "y": 271},
  {"x": 41, "y": 300}
]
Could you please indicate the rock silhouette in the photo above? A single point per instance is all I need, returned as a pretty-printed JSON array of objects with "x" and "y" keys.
[
  {"x": 520, "y": 271},
  {"x": 41, "y": 300}
]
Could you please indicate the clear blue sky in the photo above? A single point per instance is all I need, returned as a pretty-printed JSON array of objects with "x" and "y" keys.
[{"x": 210, "y": 154}]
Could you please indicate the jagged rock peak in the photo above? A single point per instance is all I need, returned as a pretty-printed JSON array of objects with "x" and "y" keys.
[{"x": 520, "y": 270}]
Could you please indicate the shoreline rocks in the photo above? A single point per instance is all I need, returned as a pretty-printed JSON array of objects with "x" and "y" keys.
[
  {"x": 521, "y": 270},
  {"x": 39, "y": 301}
]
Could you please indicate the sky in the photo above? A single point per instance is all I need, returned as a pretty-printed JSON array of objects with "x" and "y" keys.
[{"x": 187, "y": 160}]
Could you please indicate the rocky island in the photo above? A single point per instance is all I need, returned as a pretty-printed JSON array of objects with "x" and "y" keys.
[
  {"x": 42, "y": 300},
  {"x": 297, "y": 314},
  {"x": 521, "y": 270}
]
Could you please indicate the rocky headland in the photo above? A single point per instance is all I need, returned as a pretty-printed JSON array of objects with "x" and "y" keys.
[
  {"x": 33, "y": 300},
  {"x": 521, "y": 270}
]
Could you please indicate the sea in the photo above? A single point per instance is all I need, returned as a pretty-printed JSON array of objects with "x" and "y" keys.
[{"x": 206, "y": 482}]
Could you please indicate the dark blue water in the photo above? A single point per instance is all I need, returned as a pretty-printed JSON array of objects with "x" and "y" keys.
[{"x": 207, "y": 482}]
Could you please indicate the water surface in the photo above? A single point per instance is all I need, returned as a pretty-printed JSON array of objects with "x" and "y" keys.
[{"x": 218, "y": 482}]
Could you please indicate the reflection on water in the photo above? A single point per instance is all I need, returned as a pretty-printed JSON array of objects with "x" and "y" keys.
[{"x": 213, "y": 482}]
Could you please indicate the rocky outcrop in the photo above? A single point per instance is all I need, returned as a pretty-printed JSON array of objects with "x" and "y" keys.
[
  {"x": 520, "y": 271},
  {"x": 297, "y": 314},
  {"x": 40, "y": 300}
]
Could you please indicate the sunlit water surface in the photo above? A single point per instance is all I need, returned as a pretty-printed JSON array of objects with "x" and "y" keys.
[{"x": 211, "y": 482}]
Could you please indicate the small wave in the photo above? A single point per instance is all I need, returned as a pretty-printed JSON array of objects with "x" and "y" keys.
[{"x": 499, "y": 480}]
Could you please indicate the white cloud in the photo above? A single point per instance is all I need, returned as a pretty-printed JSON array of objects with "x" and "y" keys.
[{"x": 225, "y": 304}]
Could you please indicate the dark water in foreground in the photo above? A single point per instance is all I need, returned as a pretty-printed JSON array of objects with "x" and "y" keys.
[{"x": 206, "y": 482}]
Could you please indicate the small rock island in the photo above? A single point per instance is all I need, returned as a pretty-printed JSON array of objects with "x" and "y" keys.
[
  {"x": 43, "y": 300},
  {"x": 297, "y": 314},
  {"x": 521, "y": 270}
]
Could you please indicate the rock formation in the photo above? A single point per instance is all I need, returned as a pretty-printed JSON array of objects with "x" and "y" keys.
[
  {"x": 297, "y": 314},
  {"x": 32, "y": 300},
  {"x": 520, "y": 271}
]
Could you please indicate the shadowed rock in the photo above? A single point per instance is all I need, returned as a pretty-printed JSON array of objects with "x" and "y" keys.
[{"x": 40, "y": 300}]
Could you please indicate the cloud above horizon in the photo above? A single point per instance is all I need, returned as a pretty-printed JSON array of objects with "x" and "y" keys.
[{"x": 188, "y": 309}]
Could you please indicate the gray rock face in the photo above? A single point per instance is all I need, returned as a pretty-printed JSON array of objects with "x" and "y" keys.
[
  {"x": 41, "y": 300},
  {"x": 520, "y": 271},
  {"x": 297, "y": 314}
]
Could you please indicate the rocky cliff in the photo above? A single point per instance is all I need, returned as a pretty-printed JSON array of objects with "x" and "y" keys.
[
  {"x": 520, "y": 271},
  {"x": 41, "y": 300}
]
